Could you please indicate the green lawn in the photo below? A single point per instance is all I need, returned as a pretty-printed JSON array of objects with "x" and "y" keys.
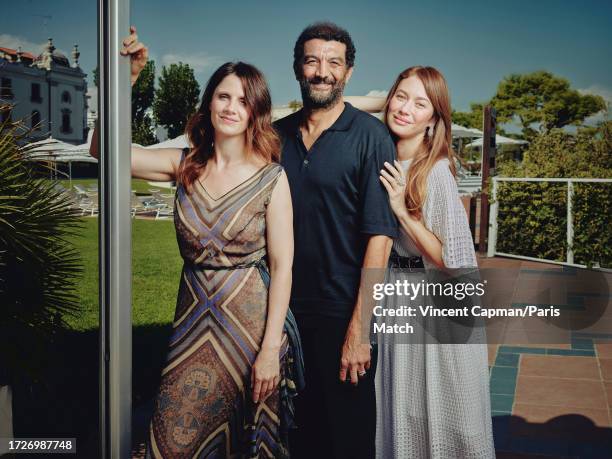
[
  {"x": 140, "y": 186},
  {"x": 156, "y": 268},
  {"x": 63, "y": 401}
]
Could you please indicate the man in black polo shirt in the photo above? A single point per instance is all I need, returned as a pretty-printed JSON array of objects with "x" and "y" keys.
[{"x": 333, "y": 154}]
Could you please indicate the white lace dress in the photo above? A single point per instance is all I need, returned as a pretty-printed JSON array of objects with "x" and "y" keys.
[{"x": 432, "y": 400}]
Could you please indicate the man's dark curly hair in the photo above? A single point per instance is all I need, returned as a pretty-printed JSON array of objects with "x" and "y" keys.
[{"x": 327, "y": 31}]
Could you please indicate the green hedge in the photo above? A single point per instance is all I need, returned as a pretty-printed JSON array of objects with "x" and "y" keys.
[
  {"x": 532, "y": 216},
  {"x": 532, "y": 221},
  {"x": 592, "y": 227}
]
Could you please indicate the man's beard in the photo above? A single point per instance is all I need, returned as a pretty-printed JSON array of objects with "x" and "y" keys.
[{"x": 316, "y": 99}]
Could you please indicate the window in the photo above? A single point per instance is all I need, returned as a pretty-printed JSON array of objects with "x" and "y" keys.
[
  {"x": 66, "y": 128},
  {"x": 66, "y": 97},
  {"x": 6, "y": 88},
  {"x": 36, "y": 120},
  {"x": 5, "y": 114},
  {"x": 35, "y": 97}
]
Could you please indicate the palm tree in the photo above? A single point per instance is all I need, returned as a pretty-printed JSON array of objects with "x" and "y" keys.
[{"x": 38, "y": 266}]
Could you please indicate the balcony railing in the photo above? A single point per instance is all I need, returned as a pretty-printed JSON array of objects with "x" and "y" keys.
[{"x": 494, "y": 225}]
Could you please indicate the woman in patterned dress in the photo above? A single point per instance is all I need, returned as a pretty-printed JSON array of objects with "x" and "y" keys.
[
  {"x": 432, "y": 399},
  {"x": 226, "y": 385}
]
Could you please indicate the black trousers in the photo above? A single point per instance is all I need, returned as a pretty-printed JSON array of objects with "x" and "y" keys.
[{"x": 335, "y": 420}]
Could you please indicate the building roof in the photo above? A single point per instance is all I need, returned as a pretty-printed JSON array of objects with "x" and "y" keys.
[
  {"x": 56, "y": 57},
  {"x": 49, "y": 57},
  {"x": 13, "y": 54}
]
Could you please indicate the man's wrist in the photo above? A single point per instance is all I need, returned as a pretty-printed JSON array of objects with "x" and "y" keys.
[{"x": 354, "y": 328}]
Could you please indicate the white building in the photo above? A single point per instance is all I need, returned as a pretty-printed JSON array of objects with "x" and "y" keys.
[{"x": 46, "y": 91}]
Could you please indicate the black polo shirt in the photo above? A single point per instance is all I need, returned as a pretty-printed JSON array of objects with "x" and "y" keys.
[{"x": 338, "y": 202}]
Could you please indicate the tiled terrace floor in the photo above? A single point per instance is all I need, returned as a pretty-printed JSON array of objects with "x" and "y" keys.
[
  {"x": 553, "y": 400},
  {"x": 548, "y": 400}
]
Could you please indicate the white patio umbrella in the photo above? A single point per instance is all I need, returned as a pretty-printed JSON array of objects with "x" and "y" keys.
[
  {"x": 56, "y": 151},
  {"x": 461, "y": 132},
  {"x": 84, "y": 146},
  {"x": 75, "y": 157},
  {"x": 178, "y": 142},
  {"x": 499, "y": 140},
  {"x": 45, "y": 149}
]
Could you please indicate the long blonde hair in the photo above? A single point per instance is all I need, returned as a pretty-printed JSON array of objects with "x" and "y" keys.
[{"x": 434, "y": 147}]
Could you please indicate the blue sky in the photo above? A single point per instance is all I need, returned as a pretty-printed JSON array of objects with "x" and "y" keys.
[{"x": 474, "y": 43}]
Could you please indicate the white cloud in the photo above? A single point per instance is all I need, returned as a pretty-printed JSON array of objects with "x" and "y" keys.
[
  {"x": 377, "y": 93},
  {"x": 604, "y": 92},
  {"x": 14, "y": 42},
  {"x": 198, "y": 62}
]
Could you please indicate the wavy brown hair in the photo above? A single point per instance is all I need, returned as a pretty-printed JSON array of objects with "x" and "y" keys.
[
  {"x": 436, "y": 145},
  {"x": 261, "y": 138}
]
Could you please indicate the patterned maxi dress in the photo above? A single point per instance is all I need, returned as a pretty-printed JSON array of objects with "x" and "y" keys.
[
  {"x": 204, "y": 407},
  {"x": 432, "y": 400}
]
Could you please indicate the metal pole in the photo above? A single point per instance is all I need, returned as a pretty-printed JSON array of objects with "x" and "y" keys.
[
  {"x": 570, "y": 222},
  {"x": 488, "y": 153},
  {"x": 115, "y": 232},
  {"x": 492, "y": 242}
]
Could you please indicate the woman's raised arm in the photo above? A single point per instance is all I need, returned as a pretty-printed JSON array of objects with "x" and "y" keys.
[
  {"x": 159, "y": 164},
  {"x": 393, "y": 179}
]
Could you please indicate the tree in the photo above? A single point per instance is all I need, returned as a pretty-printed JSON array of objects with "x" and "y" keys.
[
  {"x": 295, "y": 105},
  {"x": 471, "y": 119},
  {"x": 176, "y": 97},
  {"x": 541, "y": 101},
  {"x": 143, "y": 132},
  {"x": 143, "y": 93}
]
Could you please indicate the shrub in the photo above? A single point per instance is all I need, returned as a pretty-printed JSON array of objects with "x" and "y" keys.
[
  {"x": 532, "y": 217},
  {"x": 38, "y": 267}
]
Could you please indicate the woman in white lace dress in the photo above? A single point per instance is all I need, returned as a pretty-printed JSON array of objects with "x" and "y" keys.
[{"x": 432, "y": 399}]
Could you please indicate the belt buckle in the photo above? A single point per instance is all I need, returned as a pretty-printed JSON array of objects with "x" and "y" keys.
[{"x": 403, "y": 262}]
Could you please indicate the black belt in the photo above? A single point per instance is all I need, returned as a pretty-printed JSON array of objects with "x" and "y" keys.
[
  {"x": 397, "y": 261},
  {"x": 260, "y": 263}
]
